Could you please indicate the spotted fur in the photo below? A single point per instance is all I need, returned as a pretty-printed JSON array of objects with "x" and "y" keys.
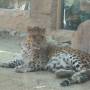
[{"x": 70, "y": 63}]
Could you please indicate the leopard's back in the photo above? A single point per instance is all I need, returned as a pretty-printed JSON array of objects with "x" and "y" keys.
[{"x": 82, "y": 56}]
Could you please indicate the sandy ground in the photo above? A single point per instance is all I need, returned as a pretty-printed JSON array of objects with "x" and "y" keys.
[{"x": 9, "y": 80}]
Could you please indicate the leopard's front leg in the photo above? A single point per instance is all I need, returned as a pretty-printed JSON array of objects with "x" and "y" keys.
[
  {"x": 28, "y": 63},
  {"x": 36, "y": 61},
  {"x": 26, "y": 68},
  {"x": 21, "y": 69}
]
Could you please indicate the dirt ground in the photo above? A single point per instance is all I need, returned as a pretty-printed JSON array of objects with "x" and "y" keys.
[{"x": 9, "y": 80}]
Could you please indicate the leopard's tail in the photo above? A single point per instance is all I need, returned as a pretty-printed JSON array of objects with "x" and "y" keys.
[{"x": 11, "y": 64}]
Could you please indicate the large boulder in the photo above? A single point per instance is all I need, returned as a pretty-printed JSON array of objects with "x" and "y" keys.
[{"x": 81, "y": 38}]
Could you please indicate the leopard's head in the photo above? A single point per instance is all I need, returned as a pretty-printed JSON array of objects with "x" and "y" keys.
[{"x": 36, "y": 35}]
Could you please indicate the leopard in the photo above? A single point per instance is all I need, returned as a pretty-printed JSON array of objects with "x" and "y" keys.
[
  {"x": 71, "y": 63},
  {"x": 38, "y": 54},
  {"x": 34, "y": 51}
]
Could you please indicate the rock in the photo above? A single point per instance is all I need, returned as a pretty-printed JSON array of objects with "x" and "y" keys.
[{"x": 81, "y": 38}]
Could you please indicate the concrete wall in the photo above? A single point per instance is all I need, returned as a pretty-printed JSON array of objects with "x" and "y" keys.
[
  {"x": 44, "y": 13},
  {"x": 41, "y": 12},
  {"x": 14, "y": 19},
  {"x": 81, "y": 38},
  {"x": 56, "y": 14}
]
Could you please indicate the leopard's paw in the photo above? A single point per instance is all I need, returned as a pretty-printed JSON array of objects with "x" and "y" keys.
[
  {"x": 65, "y": 83},
  {"x": 20, "y": 69}
]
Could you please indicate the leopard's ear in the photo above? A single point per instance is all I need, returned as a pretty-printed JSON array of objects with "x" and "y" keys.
[{"x": 36, "y": 30}]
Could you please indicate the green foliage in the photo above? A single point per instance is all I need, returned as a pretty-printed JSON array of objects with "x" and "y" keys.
[
  {"x": 84, "y": 16},
  {"x": 4, "y": 3}
]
